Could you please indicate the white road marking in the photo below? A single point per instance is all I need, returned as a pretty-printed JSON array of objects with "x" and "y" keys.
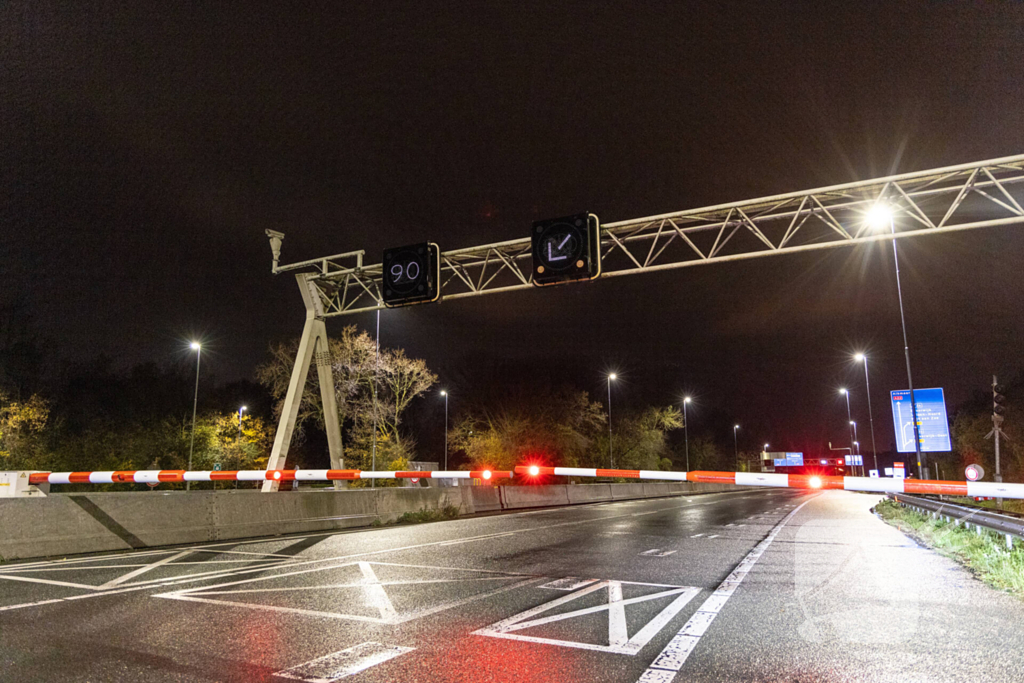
[
  {"x": 671, "y": 659},
  {"x": 657, "y": 552},
  {"x": 374, "y": 592},
  {"x": 619, "y": 641},
  {"x": 141, "y": 570},
  {"x": 344, "y": 663},
  {"x": 163, "y": 583},
  {"x": 696, "y": 536},
  {"x": 713, "y": 536},
  {"x": 569, "y": 583}
]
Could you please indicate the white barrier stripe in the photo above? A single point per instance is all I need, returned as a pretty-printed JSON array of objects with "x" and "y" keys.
[
  {"x": 447, "y": 474},
  {"x": 762, "y": 479},
  {"x": 574, "y": 472},
  {"x": 144, "y": 476},
  {"x": 101, "y": 477},
  {"x": 60, "y": 478},
  {"x": 310, "y": 475},
  {"x": 878, "y": 485},
  {"x": 991, "y": 489},
  {"x": 376, "y": 475},
  {"x": 251, "y": 475},
  {"x": 197, "y": 476},
  {"x": 669, "y": 476}
]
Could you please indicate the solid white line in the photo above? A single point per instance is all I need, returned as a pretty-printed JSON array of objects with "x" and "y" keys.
[
  {"x": 376, "y": 596},
  {"x": 667, "y": 664}
]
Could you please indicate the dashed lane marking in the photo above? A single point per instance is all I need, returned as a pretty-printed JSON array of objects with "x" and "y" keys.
[
  {"x": 657, "y": 552},
  {"x": 667, "y": 664}
]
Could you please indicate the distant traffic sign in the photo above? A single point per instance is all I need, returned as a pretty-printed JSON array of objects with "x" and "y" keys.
[
  {"x": 932, "y": 423},
  {"x": 788, "y": 459},
  {"x": 974, "y": 472}
]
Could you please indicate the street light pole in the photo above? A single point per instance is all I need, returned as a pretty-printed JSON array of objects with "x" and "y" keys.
[
  {"x": 197, "y": 347},
  {"x": 879, "y": 215},
  {"x": 686, "y": 432},
  {"x": 445, "y": 394},
  {"x": 240, "y": 411},
  {"x": 611, "y": 461},
  {"x": 736, "y": 446},
  {"x": 871, "y": 416}
]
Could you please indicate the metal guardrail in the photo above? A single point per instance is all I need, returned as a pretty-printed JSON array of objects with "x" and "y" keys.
[{"x": 960, "y": 514}]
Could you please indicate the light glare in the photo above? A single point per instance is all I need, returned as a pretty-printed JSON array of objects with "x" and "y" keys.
[
  {"x": 879, "y": 216},
  {"x": 859, "y": 357},
  {"x": 534, "y": 470},
  {"x": 815, "y": 482},
  {"x": 195, "y": 346},
  {"x": 487, "y": 474}
]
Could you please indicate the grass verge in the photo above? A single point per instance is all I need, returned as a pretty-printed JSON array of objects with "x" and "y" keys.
[
  {"x": 985, "y": 554},
  {"x": 425, "y": 514}
]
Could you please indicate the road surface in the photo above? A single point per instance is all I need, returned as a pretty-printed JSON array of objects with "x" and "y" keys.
[{"x": 744, "y": 586}]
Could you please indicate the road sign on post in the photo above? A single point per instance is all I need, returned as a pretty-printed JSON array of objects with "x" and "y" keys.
[
  {"x": 411, "y": 274},
  {"x": 974, "y": 472},
  {"x": 566, "y": 249},
  {"x": 932, "y": 422}
]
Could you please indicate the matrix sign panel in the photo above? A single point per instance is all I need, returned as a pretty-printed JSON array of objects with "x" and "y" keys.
[
  {"x": 411, "y": 274},
  {"x": 566, "y": 249},
  {"x": 932, "y": 423},
  {"x": 788, "y": 459}
]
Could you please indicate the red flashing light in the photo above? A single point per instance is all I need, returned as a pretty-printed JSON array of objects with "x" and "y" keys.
[
  {"x": 534, "y": 470},
  {"x": 487, "y": 474}
]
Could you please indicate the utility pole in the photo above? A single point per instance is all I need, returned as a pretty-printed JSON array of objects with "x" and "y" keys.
[{"x": 997, "y": 426}]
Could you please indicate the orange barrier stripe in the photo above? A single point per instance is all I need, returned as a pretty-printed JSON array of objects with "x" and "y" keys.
[
  {"x": 342, "y": 474},
  {"x": 226, "y": 475},
  {"x": 628, "y": 474},
  {"x": 171, "y": 475},
  {"x": 79, "y": 477},
  {"x": 39, "y": 477},
  {"x": 803, "y": 481},
  {"x": 950, "y": 488},
  {"x": 712, "y": 477}
]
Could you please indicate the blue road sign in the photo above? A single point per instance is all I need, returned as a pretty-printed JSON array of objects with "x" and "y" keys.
[
  {"x": 932, "y": 423},
  {"x": 789, "y": 460}
]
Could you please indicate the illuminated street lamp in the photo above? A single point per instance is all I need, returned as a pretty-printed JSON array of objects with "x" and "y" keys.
[
  {"x": 861, "y": 358},
  {"x": 611, "y": 461},
  {"x": 240, "y": 411},
  {"x": 878, "y": 217},
  {"x": 197, "y": 347},
  {"x": 686, "y": 432},
  {"x": 445, "y": 394},
  {"x": 736, "y": 445},
  {"x": 849, "y": 417}
]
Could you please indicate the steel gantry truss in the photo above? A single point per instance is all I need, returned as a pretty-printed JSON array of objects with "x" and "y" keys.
[{"x": 976, "y": 195}]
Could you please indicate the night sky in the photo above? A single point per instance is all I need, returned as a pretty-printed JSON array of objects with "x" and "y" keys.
[{"x": 144, "y": 149}]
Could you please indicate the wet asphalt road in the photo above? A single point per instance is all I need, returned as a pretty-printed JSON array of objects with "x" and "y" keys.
[{"x": 745, "y": 586}]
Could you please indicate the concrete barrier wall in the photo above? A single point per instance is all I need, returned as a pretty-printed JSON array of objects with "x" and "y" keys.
[{"x": 67, "y": 524}]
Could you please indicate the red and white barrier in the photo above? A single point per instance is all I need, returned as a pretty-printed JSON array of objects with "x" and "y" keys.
[
  {"x": 795, "y": 481},
  {"x": 162, "y": 476}
]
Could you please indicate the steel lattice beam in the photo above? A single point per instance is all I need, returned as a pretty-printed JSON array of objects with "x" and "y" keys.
[{"x": 977, "y": 195}]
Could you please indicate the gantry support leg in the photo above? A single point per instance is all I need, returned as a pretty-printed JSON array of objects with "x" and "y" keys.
[{"x": 312, "y": 344}]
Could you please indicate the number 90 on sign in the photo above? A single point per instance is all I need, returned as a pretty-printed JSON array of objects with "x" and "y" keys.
[{"x": 410, "y": 274}]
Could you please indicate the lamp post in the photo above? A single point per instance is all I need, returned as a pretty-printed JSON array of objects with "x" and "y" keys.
[
  {"x": 240, "y": 411},
  {"x": 197, "y": 347},
  {"x": 861, "y": 358},
  {"x": 611, "y": 461},
  {"x": 736, "y": 445},
  {"x": 856, "y": 444},
  {"x": 878, "y": 217},
  {"x": 686, "y": 432},
  {"x": 849, "y": 417},
  {"x": 445, "y": 394}
]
